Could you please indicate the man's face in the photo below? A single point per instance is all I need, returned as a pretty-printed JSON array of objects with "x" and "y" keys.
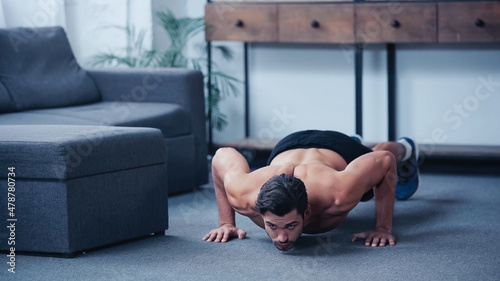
[{"x": 285, "y": 230}]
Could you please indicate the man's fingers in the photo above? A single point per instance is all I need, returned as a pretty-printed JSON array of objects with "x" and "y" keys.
[
  {"x": 375, "y": 239},
  {"x": 382, "y": 243},
  {"x": 210, "y": 236},
  {"x": 225, "y": 236},
  {"x": 392, "y": 242},
  {"x": 220, "y": 234},
  {"x": 241, "y": 234},
  {"x": 369, "y": 239},
  {"x": 213, "y": 237},
  {"x": 205, "y": 237},
  {"x": 357, "y": 236}
]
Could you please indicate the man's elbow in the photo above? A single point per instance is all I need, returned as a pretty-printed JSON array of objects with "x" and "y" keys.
[
  {"x": 386, "y": 160},
  {"x": 385, "y": 166},
  {"x": 229, "y": 159},
  {"x": 219, "y": 161},
  {"x": 222, "y": 156},
  {"x": 389, "y": 168},
  {"x": 223, "y": 152}
]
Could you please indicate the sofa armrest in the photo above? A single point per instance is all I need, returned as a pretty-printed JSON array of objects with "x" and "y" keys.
[{"x": 169, "y": 85}]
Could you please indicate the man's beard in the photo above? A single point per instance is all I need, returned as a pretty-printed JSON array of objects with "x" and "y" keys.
[{"x": 284, "y": 246}]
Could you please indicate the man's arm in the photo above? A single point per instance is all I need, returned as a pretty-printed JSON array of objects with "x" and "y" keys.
[
  {"x": 226, "y": 161},
  {"x": 377, "y": 170},
  {"x": 236, "y": 189}
]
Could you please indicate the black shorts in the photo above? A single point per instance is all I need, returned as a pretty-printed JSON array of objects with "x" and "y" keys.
[{"x": 345, "y": 146}]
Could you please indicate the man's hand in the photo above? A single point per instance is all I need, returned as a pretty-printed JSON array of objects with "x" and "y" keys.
[
  {"x": 375, "y": 238},
  {"x": 223, "y": 233}
]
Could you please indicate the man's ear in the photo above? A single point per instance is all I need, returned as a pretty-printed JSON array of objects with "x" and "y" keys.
[{"x": 307, "y": 212}]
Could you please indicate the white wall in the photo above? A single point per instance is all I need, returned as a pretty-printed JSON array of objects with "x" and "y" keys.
[
  {"x": 375, "y": 93},
  {"x": 2, "y": 17},
  {"x": 33, "y": 13},
  {"x": 85, "y": 22},
  {"x": 443, "y": 91},
  {"x": 304, "y": 89},
  {"x": 315, "y": 83},
  {"x": 88, "y": 25}
]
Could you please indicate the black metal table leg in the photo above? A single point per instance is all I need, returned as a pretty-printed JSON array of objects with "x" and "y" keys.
[
  {"x": 209, "y": 89},
  {"x": 247, "y": 107},
  {"x": 391, "y": 90},
  {"x": 358, "y": 80}
]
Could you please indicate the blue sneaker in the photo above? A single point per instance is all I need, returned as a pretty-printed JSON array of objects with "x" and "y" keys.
[{"x": 408, "y": 174}]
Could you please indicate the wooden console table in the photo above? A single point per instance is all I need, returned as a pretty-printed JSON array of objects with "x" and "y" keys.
[{"x": 356, "y": 23}]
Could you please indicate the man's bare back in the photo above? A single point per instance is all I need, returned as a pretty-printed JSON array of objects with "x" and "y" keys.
[{"x": 333, "y": 188}]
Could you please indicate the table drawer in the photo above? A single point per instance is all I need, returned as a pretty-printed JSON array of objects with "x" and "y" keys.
[
  {"x": 396, "y": 22},
  {"x": 469, "y": 22},
  {"x": 249, "y": 23},
  {"x": 319, "y": 23}
]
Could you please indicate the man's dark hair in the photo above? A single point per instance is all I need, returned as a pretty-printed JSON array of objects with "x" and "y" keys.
[{"x": 281, "y": 194}]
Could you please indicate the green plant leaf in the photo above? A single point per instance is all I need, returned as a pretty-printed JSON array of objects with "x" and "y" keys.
[
  {"x": 180, "y": 30},
  {"x": 226, "y": 53}
]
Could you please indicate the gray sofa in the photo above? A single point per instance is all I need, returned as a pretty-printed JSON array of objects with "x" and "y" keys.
[{"x": 41, "y": 83}]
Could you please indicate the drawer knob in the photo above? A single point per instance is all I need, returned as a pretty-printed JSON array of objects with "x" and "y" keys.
[
  {"x": 479, "y": 23},
  {"x": 315, "y": 24},
  {"x": 395, "y": 23},
  {"x": 239, "y": 23}
]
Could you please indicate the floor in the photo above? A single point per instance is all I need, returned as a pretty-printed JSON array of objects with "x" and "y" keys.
[{"x": 448, "y": 231}]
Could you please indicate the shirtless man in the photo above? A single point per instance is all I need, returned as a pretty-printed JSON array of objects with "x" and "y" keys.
[{"x": 336, "y": 170}]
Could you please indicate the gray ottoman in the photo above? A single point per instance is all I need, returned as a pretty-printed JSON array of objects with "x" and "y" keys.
[{"x": 80, "y": 187}]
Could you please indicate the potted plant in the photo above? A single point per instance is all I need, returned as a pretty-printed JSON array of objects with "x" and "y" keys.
[{"x": 179, "y": 31}]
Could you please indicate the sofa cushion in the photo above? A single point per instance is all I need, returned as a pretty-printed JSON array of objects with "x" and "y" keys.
[
  {"x": 6, "y": 103},
  {"x": 171, "y": 119},
  {"x": 69, "y": 152},
  {"x": 39, "y": 70}
]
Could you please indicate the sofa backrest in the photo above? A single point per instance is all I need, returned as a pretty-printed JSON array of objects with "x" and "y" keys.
[
  {"x": 6, "y": 103},
  {"x": 39, "y": 70}
]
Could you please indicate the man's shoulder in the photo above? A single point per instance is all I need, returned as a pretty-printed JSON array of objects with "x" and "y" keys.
[
  {"x": 241, "y": 194},
  {"x": 245, "y": 182},
  {"x": 243, "y": 188}
]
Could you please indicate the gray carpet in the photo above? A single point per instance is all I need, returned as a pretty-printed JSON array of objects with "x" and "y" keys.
[{"x": 449, "y": 231}]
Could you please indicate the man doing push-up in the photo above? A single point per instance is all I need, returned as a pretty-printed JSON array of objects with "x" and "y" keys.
[{"x": 312, "y": 181}]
